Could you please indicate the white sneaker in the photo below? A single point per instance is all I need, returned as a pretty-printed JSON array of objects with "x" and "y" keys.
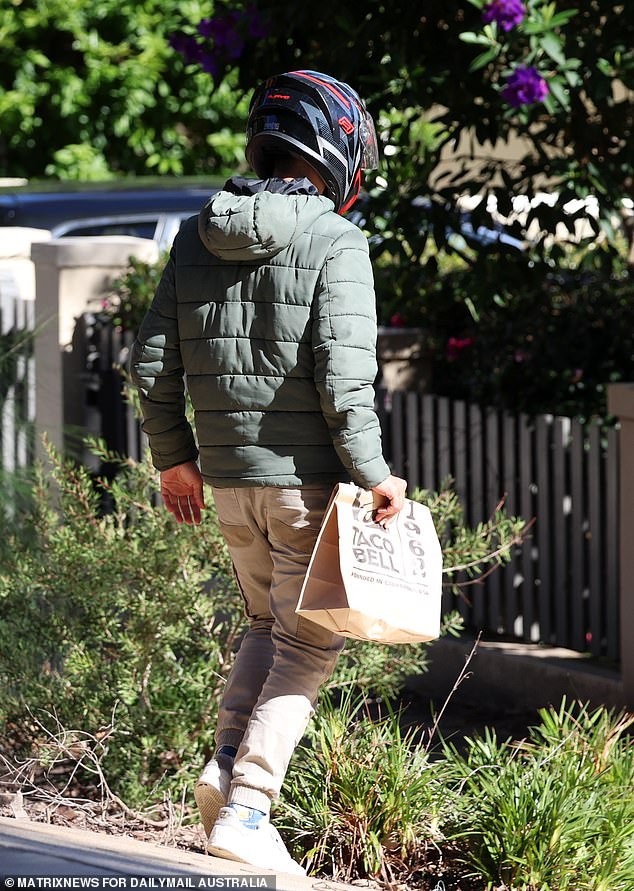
[
  {"x": 211, "y": 793},
  {"x": 261, "y": 847}
]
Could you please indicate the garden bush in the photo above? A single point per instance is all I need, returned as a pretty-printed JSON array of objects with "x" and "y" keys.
[
  {"x": 362, "y": 799},
  {"x": 121, "y": 611},
  {"x": 91, "y": 89},
  {"x": 536, "y": 339},
  {"x": 367, "y": 798},
  {"x": 555, "y": 811},
  {"x": 132, "y": 292}
]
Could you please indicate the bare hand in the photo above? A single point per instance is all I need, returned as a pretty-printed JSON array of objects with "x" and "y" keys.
[
  {"x": 394, "y": 489},
  {"x": 182, "y": 491}
]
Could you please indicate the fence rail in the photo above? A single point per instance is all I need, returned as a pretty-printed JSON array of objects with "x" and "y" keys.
[{"x": 562, "y": 586}]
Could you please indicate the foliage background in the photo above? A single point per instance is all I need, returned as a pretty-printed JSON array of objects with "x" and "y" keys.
[
  {"x": 99, "y": 89},
  {"x": 91, "y": 89}
]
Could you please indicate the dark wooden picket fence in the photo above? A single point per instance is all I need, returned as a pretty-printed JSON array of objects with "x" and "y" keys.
[{"x": 561, "y": 587}]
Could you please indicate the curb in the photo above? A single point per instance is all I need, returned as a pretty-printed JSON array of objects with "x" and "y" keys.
[{"x": 30, "y": 849}]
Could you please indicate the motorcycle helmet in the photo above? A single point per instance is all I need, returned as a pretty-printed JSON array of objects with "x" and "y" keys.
[{"x": 317, "y": 118}]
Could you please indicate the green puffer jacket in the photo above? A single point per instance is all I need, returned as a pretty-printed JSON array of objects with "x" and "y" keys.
[{"x": 267, "y": 306}]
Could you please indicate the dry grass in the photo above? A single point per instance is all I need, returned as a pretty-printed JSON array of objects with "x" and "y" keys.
[{"x": 64, "y": 783}]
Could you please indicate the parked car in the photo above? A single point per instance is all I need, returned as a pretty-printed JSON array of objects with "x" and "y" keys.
[
  {"x": 144, "y": 207},
  {"x": 460, "y": 233}
]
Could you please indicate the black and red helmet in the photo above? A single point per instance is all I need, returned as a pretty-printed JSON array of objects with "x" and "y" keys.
[{"x": 319, "y": 119}]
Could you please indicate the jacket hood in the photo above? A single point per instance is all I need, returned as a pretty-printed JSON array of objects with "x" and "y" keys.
[{"x": 256, "y": 219}]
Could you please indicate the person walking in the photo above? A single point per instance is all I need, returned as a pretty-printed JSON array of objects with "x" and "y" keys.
[{"x": 266, "y": 308}]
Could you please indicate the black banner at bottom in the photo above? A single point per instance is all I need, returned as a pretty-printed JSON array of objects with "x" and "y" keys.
[{"x": 252, "y": 882}]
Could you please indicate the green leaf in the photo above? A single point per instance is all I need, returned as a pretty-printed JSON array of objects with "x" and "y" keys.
[
  {"x": 559, "y": 92},
  {"x": 551, "y": 44},
  {"x": 484, "y": 58},
  {"x": 533, "y": 28},
  {"x": 475, "y": 315},
  {"x": 472, "y": 37},
  {"x": 562, "y": 17},
  {"x": 38, "y": 58},
  {"x": 572, "y": 77},
  {"x": 605, "y": 67}
]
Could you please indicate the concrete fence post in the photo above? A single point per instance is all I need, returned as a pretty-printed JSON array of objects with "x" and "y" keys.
[
  {"x": 621, "y": 404},
  {"x": 72, "y": 275}
]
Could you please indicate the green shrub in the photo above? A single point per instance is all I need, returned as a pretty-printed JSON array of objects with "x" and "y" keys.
[
  {"x": 555, "y": 812},
  {"x": 124, "y": 608},
  {"x": 364, "y": 799},
  {"x": 513, "y": 330},
  {"x": 539, "y": 340},
  {"x": 132, "y": 293}
]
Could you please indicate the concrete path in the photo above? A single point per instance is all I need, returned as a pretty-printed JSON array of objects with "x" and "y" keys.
[{"x": 30, "y": 852}]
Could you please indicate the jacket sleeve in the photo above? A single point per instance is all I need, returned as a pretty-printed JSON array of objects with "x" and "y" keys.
[
  {"x": 156, "y": 368},
  {"x": 344, "y": 347}
]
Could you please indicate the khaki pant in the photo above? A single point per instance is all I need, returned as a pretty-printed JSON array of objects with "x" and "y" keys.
[{"x": 284, "y": 658}]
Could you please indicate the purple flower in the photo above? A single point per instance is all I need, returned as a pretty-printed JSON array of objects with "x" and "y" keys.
[
  {"x": 209, "y": 64},
  {"x": 186, "y": 46},
  {"x": 223, "y": 31},
  {"x": 223, "y": 39},
  {"x": 507, "y": 13},
  {"x": 525, "y": 86},
  {"x": 206, "y": 27}
]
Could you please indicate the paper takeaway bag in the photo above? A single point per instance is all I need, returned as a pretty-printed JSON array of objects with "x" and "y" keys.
[{"x": 371, "y": 583}]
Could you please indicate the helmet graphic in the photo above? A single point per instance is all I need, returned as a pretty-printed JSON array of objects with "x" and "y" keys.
[{"x": 319, "y": 119}]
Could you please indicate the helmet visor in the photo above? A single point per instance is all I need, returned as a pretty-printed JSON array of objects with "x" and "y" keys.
[{"x": 370, "y": 146}]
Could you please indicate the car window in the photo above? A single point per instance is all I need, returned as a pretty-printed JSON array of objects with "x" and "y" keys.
[{"x": 140, "y": 228}]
